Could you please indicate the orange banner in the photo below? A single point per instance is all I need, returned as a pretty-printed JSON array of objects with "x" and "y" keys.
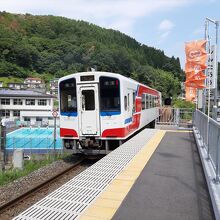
[
  {"x": 199, "y": 84},
  {"x": 195, "y": 50},
  {"x": 196, "y": 66},
  {"x": 190, "y": 94},
  {"x": 191, "y": 76},
  {"x": 196, "y": 57}
]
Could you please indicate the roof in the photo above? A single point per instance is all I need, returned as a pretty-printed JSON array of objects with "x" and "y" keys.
[
  {"x": 15, "y": 83},
  {"x": 33, "y": 78},
  {"x": 23, "y": 93}
]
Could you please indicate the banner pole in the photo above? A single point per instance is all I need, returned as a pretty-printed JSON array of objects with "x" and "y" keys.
[{"x": 204, "y": 90}]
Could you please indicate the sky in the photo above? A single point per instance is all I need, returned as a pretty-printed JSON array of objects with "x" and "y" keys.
[{"x": 162, "y": 24}]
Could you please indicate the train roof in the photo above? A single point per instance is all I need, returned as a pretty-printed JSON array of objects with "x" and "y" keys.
[{"x": 105, "y": 73}]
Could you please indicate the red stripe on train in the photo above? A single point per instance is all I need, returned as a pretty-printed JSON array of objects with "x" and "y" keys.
[
  {"x": 66, "y": 132},
  {"x": 123, "y": 132}
]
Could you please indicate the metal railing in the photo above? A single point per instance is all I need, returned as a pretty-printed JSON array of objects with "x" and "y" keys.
[
  {"x": 180, "y": 117},
  {"x": 208, "y": 131}
]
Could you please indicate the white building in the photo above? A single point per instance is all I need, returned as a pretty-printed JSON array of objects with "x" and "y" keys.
[
  {"x": 54, "y": 87},
  {"x": 26, "y": 105},
  {"x": 34, "y": 83},
  {"x": 17, "y": 86}
]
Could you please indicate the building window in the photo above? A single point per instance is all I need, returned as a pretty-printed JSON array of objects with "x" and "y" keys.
[
  {"x": 17, "y": 102},
  {"x": 5, "y": 113},
  {"x": 5, "y": 101},
  {"x": 39, "y": 119},
  {"x": 27, "y": 119},
  {"x": 16, "y": 113},
  {"x": 30, "y": 102},
  {"x": 42, "y": 102}
]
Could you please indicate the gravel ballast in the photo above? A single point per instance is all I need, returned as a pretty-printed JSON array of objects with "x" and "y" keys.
[{"x": 23, "y": 184}]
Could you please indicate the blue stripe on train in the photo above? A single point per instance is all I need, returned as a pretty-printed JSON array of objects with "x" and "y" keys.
[
  {"x": 110, "y": 113},
  {"x": 128, "y": 120},
  {"x": 74, "y": 114}
]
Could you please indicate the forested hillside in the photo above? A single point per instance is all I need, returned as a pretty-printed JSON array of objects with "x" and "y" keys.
[{"x": 49, "y": 46}]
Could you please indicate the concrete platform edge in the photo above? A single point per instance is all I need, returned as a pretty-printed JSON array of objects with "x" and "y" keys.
[{"x": 214, "y": 188}]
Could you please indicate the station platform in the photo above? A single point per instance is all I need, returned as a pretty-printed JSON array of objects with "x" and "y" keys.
[{"x": 155, "y": 175}]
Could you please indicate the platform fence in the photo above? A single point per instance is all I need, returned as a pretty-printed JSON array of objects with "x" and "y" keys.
[
  {"x": 179, "y": 117},
  {"x": 208, "y": 131}
]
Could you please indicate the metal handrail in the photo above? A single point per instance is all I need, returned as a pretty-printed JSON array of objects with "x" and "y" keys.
[{"x": 209, "y": 133}]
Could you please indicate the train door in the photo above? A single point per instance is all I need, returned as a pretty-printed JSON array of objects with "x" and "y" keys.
[
  {"x": 88, "y": 110},
  {"x": 128, "y": 105}
]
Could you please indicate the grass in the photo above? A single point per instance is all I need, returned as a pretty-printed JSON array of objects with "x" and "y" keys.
[{"x": 29, "y": 166}]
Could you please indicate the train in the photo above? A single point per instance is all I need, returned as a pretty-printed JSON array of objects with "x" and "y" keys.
[{"x": 100, "y": 110}]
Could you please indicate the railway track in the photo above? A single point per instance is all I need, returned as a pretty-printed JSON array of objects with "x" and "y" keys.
[{"x": 16, "y": 205}]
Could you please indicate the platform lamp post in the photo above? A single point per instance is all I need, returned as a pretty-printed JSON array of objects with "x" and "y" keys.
[
  {"x": 2, "y": 145},
  {"x": 215, "y": 68}
]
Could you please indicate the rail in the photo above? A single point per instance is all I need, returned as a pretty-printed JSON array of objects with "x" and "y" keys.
[{"x": 38, "y": 187}]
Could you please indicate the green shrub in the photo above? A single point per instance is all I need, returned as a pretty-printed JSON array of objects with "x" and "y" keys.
[{"x": 179, "y": 103}]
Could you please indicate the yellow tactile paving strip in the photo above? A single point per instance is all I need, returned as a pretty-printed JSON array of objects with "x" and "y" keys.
[
  {"x": 181, "y": 131},
  {"x": 105, "y": 206}
]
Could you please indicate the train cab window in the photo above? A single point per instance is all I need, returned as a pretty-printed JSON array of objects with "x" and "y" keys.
[
  {"x": 143, "y": 101},
  {"x": 68, "y": 101},
  {"x": 109, "y": 94}
]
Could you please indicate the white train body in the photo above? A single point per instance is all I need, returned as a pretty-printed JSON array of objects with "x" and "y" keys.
[{"x": 98, "y": 108}]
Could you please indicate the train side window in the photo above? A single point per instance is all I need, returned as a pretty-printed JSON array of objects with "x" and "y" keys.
[
  {"x": 147, "y": 101},
  {"x": 126, "y": 103},
  {"x": 133, "y": 102},
  {"x": 143, "y": 101},
  {"x": 150, "y": 101}
]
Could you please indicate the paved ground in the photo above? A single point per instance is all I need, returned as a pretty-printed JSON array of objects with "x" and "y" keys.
[{"x": 172, "y": 185}]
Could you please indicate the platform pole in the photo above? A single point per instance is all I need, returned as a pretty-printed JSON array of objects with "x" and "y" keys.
[{"x": 106, "y": 146}]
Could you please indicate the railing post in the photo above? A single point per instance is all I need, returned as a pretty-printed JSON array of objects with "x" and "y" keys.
[
  {"x": 208, "y": 141},
  {"x": 217, "y": 180}
]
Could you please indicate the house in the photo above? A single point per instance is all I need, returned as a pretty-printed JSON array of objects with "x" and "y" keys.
[
  {"x": 17, "y": 85},
  {"x": 36, "y": 84},
  {"x": 26, "y": 105},
  {"x": 54, "y": 87}
]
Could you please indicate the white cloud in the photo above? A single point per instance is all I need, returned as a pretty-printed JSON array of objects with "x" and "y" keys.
[
  {"x": 198, "y": 31},
  {"x": 118, "y": 14},
  {"x": 164, "y": 29},
  {"x": 164, "y": 35},
  {"x": 166, "y": 25}
]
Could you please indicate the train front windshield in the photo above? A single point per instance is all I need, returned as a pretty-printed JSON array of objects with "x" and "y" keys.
[
  {"x": 68, "y": 102},
  {"x": 109, "y": 94}
]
